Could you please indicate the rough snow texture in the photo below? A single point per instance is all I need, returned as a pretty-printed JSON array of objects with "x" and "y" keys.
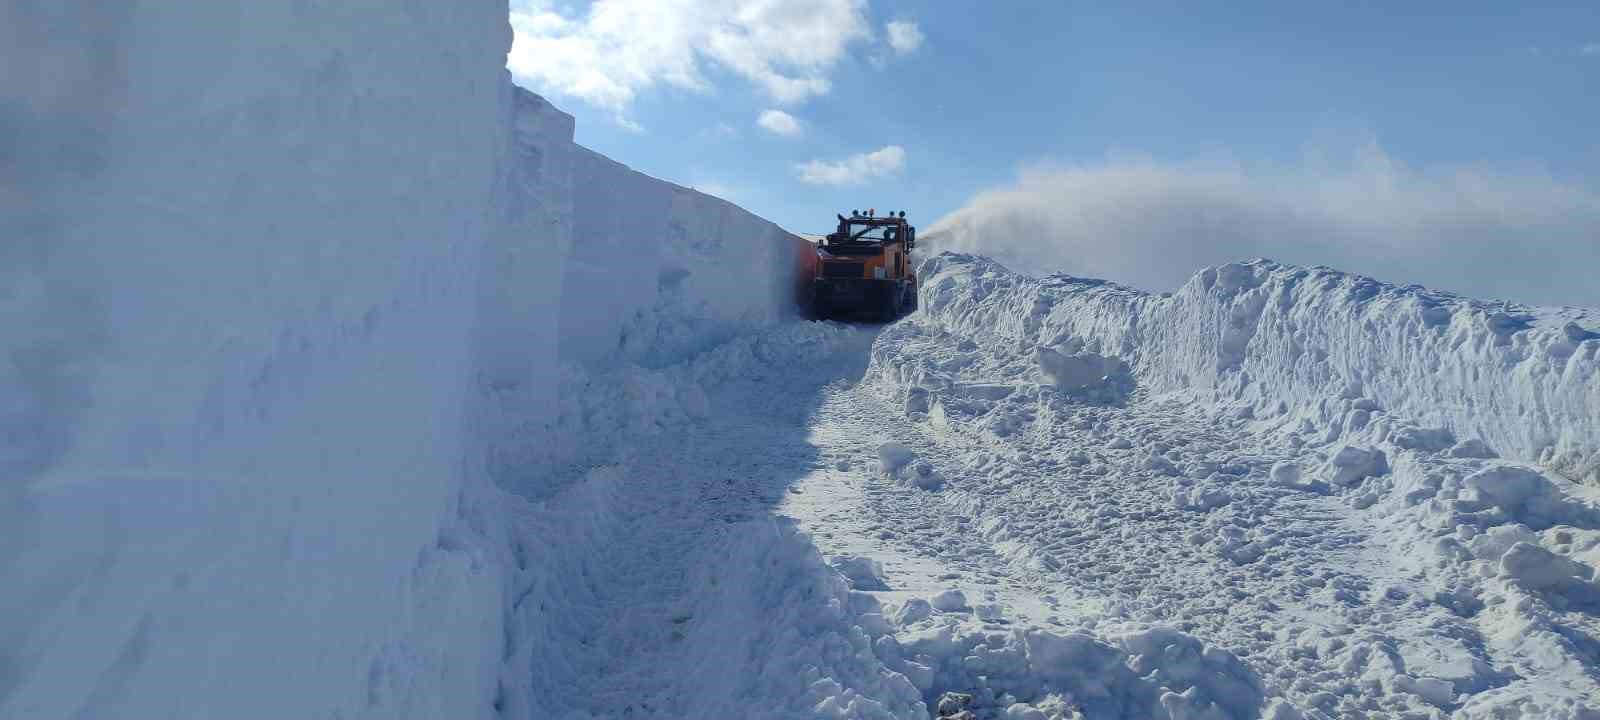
[
  {"x": 660, "y": 583},
  {"x": 649, "y": 274},
  {"x": 1337, "y": 529},
  {"x": 658, "y": 272},
  {"x": 239, "y": 269},
  {"x": 282, "y": 290},
  {"x": 1524, "y": 381}
]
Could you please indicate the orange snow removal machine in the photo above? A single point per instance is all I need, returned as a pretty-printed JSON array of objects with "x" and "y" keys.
[{"x": 863, "y": 269}]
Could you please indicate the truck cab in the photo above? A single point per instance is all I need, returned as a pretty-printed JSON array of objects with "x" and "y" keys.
[{"x": 864, "y": 268}]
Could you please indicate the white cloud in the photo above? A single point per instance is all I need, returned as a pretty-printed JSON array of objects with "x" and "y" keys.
[
  {"x": 622, "y": 47},
  {"x": 1484, "y": 233},
  {"x": 904, "y": 36},
  {"x": 855, "y": 169},
  {"x": 779, "y": 122}
]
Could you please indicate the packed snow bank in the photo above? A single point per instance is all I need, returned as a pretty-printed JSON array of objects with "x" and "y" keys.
[
  {"x": 269, "y": 317},
  {"x": 658, "y": 271},
  {"x": 1278, "y": 339},
  {"x": 240, "y": 276},
  {"x": 1380, "y": 408},
  {"x": 650, "y": 274}
]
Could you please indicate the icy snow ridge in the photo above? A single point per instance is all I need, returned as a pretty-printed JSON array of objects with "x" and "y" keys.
[
  {"x": 1367, "y": 559},
  {"x": 1276, "y": 339}
]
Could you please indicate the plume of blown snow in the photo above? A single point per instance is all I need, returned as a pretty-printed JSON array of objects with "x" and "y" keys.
[{"x": 1526, "y": 237}]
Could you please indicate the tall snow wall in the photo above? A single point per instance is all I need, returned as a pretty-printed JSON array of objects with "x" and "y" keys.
[
  {"x": 659, "y": 272},
  {"x": 277, "y": 280},
  {"x": 242, "y": 245},
  {"x": 652, "y": 274},
  {"x": 1278, "y": 339}
]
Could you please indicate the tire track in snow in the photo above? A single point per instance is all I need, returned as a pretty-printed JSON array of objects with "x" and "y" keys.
[
  {"x": 673, "y": 503},
  {"x": 1055, "y": 516}
]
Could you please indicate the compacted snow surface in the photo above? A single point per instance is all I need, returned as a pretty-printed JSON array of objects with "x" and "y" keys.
[
  {"x": 1006, "y": 513},
  {"x": 327, "y": 395},
  {"x": 1331, "y": 553}
]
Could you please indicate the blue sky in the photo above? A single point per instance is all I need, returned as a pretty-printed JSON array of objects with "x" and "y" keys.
[{"x": 978, "y": 95}]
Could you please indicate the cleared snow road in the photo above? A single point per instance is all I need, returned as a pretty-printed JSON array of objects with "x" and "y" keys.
[
  {"x": 1077, "y": 519},
  {"x": 1310, "y": 552},
  {"x": 1053, "y": 542}
]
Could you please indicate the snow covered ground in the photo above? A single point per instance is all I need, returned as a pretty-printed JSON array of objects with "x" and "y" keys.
[
  {"x": 329, "y": 396},
  {"x": 1355, "y": 560},
  {"x": 1042, "y": 527}
]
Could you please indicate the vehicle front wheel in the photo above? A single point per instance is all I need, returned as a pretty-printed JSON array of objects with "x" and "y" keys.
[{"x": 890, "y": 309}]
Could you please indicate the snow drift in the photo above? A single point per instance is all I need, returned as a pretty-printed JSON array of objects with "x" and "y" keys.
[
  {"x": 1453, "y": 433},
  {"x": 1276, "y": 339}
]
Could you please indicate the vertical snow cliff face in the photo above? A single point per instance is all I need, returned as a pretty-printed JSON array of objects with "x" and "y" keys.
[
  {"x": 239, "y": 334},
  {"x": 649, "y": 275},
  {"x": 659, "y": 272},
  {"x": 1281, "y": 341},
  {"x": 288, "y": 293}
]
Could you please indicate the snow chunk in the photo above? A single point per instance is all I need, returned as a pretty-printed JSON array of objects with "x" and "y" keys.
[
  {"x": 950, "y": 601},
  {"x": 1526, "y": 496},
  {"x": 915, "y": 609},
  {"x": 1508, "y": 486},
  {"x": 923, "y": 476},
  {"x": 1201, "y": 497},
  {"x": 1493, "y": 544},
  {"x": 1423, "y": 439},
  {"x": 1539, "y": 569},
  {"x": 1576, "y": 333},
  {"x": 952, "y": 704},
  {"x": 1280, "y": 709},
  {"x": 864, "y": 573},
  {"x": 1024, "y": 711},
  {"x": 892, "y": 456},
  {"x": 1087, "y": 376},
  {"x": 1472, "y": 448},
  {"x": 1436, "y": 692},
  {"x": 1289, "y": 475},
  {"x": 1350, "y": 465}
]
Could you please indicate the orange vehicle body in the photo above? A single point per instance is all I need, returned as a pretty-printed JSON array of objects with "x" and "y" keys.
[{"x": 863, "y": 269}]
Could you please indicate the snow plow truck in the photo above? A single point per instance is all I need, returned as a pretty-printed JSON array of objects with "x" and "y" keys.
[{"x": 863, "y": 269}]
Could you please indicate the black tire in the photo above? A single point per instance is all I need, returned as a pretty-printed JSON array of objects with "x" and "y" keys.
[
  {"x": 821, "y": 307},
  {"x": 889, "y": 304}
]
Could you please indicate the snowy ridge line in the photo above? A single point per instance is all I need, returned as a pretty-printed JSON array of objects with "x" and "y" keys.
[
  {"x": 1276, "y": 339},
  {"x": 1471, "y": 580}
]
